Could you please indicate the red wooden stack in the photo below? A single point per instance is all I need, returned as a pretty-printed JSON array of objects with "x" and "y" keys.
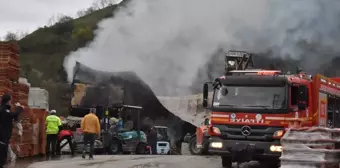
[
  {"x": 9, "y": 66},
  {"x": 33, "y": 141},
  {"x": 21, "y": 93},
  {"x": 9, "y": 60}
]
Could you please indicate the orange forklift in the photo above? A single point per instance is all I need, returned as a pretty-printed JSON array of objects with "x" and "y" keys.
[{"x": 252, "y": 108}]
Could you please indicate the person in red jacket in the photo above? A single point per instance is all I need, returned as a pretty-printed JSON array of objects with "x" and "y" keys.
[{"x": 65, "y": 135}]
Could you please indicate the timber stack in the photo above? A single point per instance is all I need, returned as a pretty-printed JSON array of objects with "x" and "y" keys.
[{"x": 32, "y": 142}]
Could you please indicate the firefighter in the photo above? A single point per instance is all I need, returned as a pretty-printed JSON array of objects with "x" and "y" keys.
[
  {"x": 53, "y": 127},
  {"x": 6, "y": 125}
]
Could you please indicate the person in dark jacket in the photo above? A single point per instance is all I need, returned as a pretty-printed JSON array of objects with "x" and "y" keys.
[
  {"x": 6, "y": 125},
  {"x": 152, "y": 139}
]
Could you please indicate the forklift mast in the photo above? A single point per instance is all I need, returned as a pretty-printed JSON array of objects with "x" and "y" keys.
[{"x": 237, "y": 60}]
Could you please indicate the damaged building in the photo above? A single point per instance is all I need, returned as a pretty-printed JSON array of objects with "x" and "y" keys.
[{"x": 92, "y": 88}]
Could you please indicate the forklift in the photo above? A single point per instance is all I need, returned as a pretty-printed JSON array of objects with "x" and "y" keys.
[{"x": 116, "y": 141}]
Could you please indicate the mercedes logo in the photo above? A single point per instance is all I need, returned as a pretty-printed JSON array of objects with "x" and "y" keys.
[{"x": 245, "y": 130}]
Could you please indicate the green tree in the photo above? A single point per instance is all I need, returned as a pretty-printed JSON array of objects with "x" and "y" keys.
[{"x": 82, "y": 35}]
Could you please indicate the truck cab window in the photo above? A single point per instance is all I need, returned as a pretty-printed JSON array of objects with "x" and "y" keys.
[{"x": 295, "y": 94}]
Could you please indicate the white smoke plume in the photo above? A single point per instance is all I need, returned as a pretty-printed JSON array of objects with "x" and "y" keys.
[{"x": 166, "y": 41}]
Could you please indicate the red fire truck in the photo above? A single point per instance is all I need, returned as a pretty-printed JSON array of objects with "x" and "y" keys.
[{"x": 251, "y": 109}]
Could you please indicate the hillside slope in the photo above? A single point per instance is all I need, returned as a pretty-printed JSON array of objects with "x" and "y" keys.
[{"x": 43, "y": 52}]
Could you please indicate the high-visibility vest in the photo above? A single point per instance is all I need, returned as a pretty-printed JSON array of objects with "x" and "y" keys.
[{"x": 52, "y": 124}]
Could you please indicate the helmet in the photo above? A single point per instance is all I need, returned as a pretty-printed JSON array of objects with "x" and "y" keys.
[{"x": 53, "y": 111}]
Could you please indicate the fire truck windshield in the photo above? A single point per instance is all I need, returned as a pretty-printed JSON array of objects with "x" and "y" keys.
[{"x": 251, "y": 97}]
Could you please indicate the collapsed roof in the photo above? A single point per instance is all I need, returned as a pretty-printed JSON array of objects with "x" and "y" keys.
[{"x": 106, "y": 88}]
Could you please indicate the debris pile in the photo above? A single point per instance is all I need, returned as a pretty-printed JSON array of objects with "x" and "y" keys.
[{"x": 311, "y": 147}]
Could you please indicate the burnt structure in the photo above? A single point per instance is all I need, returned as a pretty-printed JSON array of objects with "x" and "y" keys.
[{"x": 104, "y": 89}]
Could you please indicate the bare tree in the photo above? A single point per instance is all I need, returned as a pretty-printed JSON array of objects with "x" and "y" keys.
[
  {"x": 52, "y": 20},
  {"x": 22, "y": 34},
  {"x": 89, "y": 10},
  {"x": 10, "y": 36},
  {"x": 61, "y": 18},
  {"x": 81, "y": 13},
  {"x": 103, "y": 3},
  {"x": 95, "y": 5}
]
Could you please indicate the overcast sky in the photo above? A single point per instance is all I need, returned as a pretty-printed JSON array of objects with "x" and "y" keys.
[{"x": 28, "y": 15}]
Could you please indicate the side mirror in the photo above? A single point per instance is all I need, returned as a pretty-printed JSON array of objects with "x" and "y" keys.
[
  {"x": 224, "y": 91},
  {"x": 206, "y": 121},
  {"x": 205, "y": 95}
]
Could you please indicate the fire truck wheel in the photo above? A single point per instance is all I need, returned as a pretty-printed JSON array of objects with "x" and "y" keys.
[
  {"x": 226, "y": 162},
  {"x": 193, "y": 148}
]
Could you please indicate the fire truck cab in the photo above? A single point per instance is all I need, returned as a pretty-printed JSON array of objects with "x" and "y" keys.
[{"x": 251, "y": 109}]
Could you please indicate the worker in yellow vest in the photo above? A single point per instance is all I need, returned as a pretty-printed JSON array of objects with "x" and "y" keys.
[{"x": 53, "y": 126}]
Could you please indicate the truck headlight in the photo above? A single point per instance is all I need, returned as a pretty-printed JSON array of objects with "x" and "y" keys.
[
  {"x": 216, "y": 144},
  {"x": 275, "y": 148}
]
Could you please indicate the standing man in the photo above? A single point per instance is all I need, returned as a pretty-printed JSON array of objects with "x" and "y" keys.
[
  {"x": 91, "y": 127},
  {"x": 53, "y": 126},
  {"x": 152, "y": 140},
  {"x": 6, "y": 125}
]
